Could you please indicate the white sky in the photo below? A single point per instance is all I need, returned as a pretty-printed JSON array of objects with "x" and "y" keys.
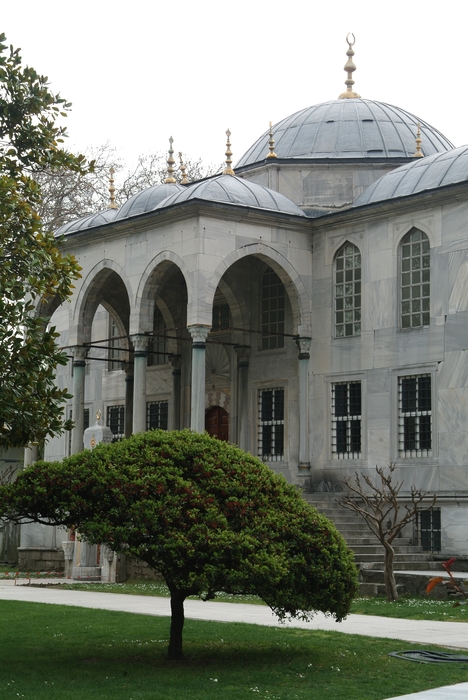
[{"x": 138, "y": 72}]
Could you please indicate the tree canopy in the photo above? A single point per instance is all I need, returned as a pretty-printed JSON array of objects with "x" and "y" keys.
[
  {"x": 206, "y": 515},
  {"x": 32, "y": 269}
]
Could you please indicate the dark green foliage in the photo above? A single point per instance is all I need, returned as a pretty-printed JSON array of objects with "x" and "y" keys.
[{"x": 207, "y": 515}]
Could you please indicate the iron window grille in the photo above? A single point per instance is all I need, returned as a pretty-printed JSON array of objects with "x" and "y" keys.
[
  {"x": 428, "y": 525},
  {"x": 415, "y": 280},
  {"x": 346, "y": 420},
  {"x": 347, "y": 291},
  {"x": 415, "y": 416},
  {"x": 271, "y": 424},
  {"x": 156, "y": 415},
  {"x": 116, "y": 421},
  {"x": 273, "y": 309}
]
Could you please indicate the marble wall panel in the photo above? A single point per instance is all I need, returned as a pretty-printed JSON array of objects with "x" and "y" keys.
[
  {"x": 401, "y": 349},
  {"x": 352, "y": 354},
  {"x": 439, "y": 283},
  {"x": 453, "y": 371},
  {"x": 453, "y": 449},
  {"x": 322, "y": 293},
  {"x": 381, "y": 264},
  {"x": 378, "y": 381},
  {"x": 423, "y": 476},
  {"x": 454, "y": 522},
  {"x": 377, "y": 237},
  {"x": 378, "y": 446},
  {"x": 454, "y": 221},
  {"x": 453, "y": 410},
  {"x": 458, "y": 282},
  {"x": 378, "y": 309},
  {"x": 378, "y": 411}
]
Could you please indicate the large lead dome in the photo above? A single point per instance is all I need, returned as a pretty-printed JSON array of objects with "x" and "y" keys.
[{"x": 348, "y": 129}]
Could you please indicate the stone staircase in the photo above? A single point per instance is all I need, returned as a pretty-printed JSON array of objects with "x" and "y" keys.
[{"x": 368, "y": 552}]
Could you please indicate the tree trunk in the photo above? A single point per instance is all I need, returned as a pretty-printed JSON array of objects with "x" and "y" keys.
[
  {"x": 177, "y": 625},
  {"x": 389, "y": 574}
]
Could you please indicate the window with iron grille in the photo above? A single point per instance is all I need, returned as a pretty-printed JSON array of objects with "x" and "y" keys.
[
  {"x": 346, "y": 420},
  {"x": 415, "y": 416},
  {"x": 415, "y": 280},
  {"x": 115, "y": 356},
  {"x": 116, "y": 421},
  {"x": 271, "y": 424},
  {"x": 428, "y": 525},
  {"x": 85, "y": 425},
  {"x": 220, "y": 318},
  {"x": 273, "y": 307},
  {"x": 347, "y": 291},
  {"x": 156, "y": 415},
  {"x": 157, "y": 351}
]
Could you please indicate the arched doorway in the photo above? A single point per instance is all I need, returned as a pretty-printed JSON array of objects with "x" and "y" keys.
[{"x": 217, "y": 423}]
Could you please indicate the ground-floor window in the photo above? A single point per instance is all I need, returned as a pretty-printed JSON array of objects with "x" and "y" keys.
[
  {"x": 415, "y": 416},
  {"x": 156, "y": 415},
  {"x": 346, "y": 403},
  {"x": 428, "y": 524},
  {"x": 116, "y": 421},
  {"x": 271, "y": 424}
]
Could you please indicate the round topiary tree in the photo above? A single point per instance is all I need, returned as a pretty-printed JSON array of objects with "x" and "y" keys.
[{"x": 206, "y": 515}]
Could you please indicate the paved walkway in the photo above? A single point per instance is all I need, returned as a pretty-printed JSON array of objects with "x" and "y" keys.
[{"x": 449, "y": 634}]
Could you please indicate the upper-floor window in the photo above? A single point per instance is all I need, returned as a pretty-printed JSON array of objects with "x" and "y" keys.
[
  {"x": 273, "y": 307},
  {"x": 115, "y": 356},
  {"x": 157, "y": 354},
  {"x": 347, "y": 291},
  {"x": 220, "y": 317},
  {"x": 415, "y": 279}
]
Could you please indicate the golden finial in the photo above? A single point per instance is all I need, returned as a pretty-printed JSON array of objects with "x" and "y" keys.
[
  {"x": 271, "y": 144},
  {"x": 228, "y": 169},
  {"x": 349, "y": 68},
  {"x": 418, "y": 153},
  {"x": 112, "y": 204},
  {"x": 185, "y": 180},
  {"x": 170, "y": 164}
]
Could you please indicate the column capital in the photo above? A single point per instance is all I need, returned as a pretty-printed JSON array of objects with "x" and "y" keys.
[
  {"x": 199, "y": 333},
  {"x": 140, "y": 344},
  {"x": 303, "y": 345},
  {"x": 79, "y": 353},
  {"x": 128, "y": 369},
  {"x": 243, "y": 354},
  {"x": 176, "y": 362}
]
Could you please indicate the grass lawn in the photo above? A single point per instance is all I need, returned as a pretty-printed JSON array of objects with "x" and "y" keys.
[
  {"x": 52, "y": 652},
  {"x": 409, "y": 608}
]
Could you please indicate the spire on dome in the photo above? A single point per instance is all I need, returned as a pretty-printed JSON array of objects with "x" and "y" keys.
[
  {"x": 349, "y": 68},
  {"x": 228, "y": 169},
  {"x": 183, "y": 168},
  {"x": 170, "y": 164},
  {"x": 418, "y": 153},
  {"x": 271, "y": 144},
  {"x": 112, "y": 204}
]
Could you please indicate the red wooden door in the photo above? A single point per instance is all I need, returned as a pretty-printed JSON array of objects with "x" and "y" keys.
[{"x": 217, "y": 423}]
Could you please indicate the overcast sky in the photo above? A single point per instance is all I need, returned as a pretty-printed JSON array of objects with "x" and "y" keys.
[{"x": 138, "y": 72}]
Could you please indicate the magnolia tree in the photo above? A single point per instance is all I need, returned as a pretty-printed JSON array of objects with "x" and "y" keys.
[{"x": 206, "y": 515}]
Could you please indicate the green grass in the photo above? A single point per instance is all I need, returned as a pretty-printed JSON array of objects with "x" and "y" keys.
[{"x": 51, "y": 652}]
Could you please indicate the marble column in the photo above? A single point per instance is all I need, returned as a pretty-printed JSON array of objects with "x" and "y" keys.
[
  {"x": 243, "y": 356},
  {"x": 128, "y": 424},
  {"x": 176, "y": 362},
  {"x": 30, "y": 455},
  {"x": 197, "y": 398},
  {"x": 79, "y": 353},
  {"x": 303, "y": 345},
  {"x": 140, "y": 345}
]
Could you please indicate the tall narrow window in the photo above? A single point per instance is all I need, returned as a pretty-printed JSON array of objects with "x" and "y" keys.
[
  {"x": 428, "y": 525},
  {"x": 347, "y": 291},
  {"x": 415, "y": 416},
  {"x": 156, "y": 415},
  {"x": 271, "y": 424},
  {"x": 116, "y": 421},
  {"x": 346, "y": 420},
  {"x": 415, "y": 279},
  {"x": 220, "y": 318},
  {"x": 158, "y": 346},
  {"x": 273, "y": 305},
  {"x": 115, "y": 355}
]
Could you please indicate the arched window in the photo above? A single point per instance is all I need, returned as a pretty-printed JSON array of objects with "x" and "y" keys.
[
  {"x": 415, "y": 280},
  {"x": 347, "y": 291},
  {"x": 158, "y": 346},
  {"x": 273, "y": 304}
]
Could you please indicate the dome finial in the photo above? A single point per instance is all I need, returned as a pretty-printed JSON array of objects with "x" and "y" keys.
[
  {"x": 418, "y": 153},
  {"x": 228, "y": 169},
  {"x": 112, "y": 204},
  {"x": 271, "y": 144},
  {"x": 170, "y": 164},
  {"x": 185, "y": 180},
  {"x": 349, "y": 68}
]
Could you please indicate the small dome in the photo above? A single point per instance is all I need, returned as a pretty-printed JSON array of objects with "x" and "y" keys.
[
  {"x": 228, "y": 189},
  {"x": 351, "y": 128},
  {"x": 147, "y": 199},
  {"x": 422, "y": 174},
  {"x": 89, "y": 221}
]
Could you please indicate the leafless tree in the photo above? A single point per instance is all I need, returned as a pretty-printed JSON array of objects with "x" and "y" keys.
[{"x": 379, "y": 503}]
